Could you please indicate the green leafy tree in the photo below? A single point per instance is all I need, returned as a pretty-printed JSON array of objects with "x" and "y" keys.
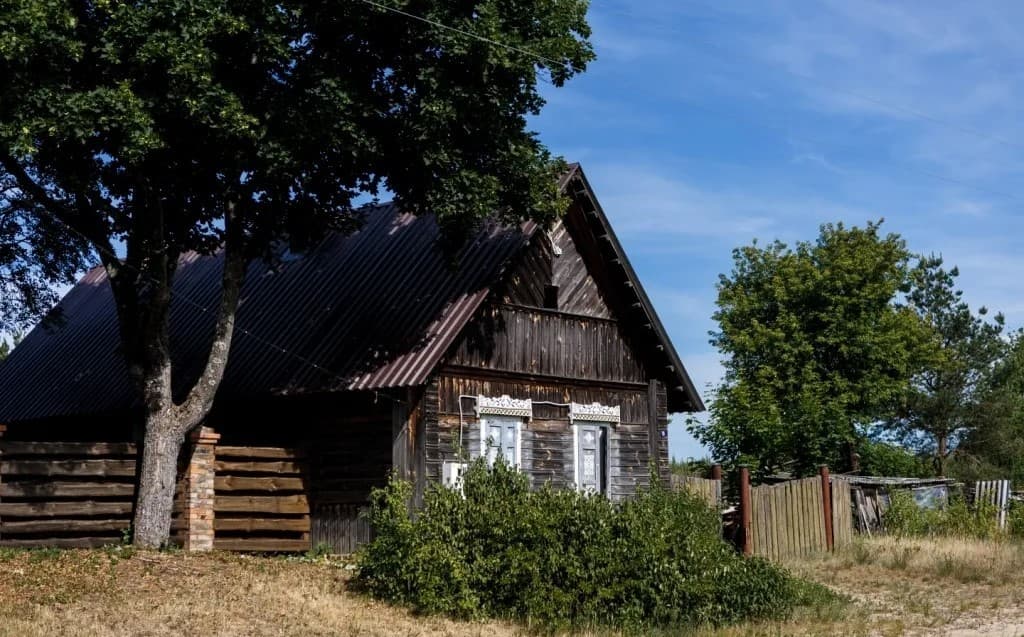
[
  {"x": 7, "y": 345},
  {"x": 815, "y": 347},
  {"x": 944, "y": 401},
  {"x": 993, "y": 447},
  {"x": 148, "y": 129}
]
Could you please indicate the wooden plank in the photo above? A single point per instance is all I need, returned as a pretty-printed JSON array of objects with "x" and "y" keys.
[
  {"x": 115, "y": 468},
  {"x": 260, "y": 545},
  {"x": 63, "y": 509},
  {"x": 261, "y": 504},
  {"x": 280, "y": 453},
  {"x": 49, "y": 526},
  {"x": 57, "y": 489},
  {"x": 61, "y": 542},
  {"x": 19, "y": 448},
  {"x": 249, "y": 483},
  {"x": 776, "y": 523},
  {"x": 282, "y": 467},
  {"x": 299, "y": 524}
]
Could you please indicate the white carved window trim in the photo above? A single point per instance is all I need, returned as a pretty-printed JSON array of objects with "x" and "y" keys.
[
  {"x": 504, "y": 405},
  {"x": 595, "y": 412}
]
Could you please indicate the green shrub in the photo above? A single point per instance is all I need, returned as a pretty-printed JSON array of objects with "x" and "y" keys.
[
  {"x": 905, "y": 518},
  {"x": 558, "y": 559},
  {"x": 1015, "y": 519},
  {"x": 879, "y": 458}
]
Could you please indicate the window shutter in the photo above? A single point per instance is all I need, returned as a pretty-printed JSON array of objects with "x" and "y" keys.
[
  {"x": 589, "y": 453},
  {"x": 508, "y": 442}
]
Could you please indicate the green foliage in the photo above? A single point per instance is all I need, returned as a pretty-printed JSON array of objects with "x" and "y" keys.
[
  {"x": 1015, "y": 519},
  {"x": 994, "y": 448},
  {"x": 884, "y": 459},
  {"x": 560, "y": 559},
  {"x": 166, "y": 126},
  {"x": 699, "y": 467},
  {"x": 945, "y": 401},
  {"x": 904, "y": 518},
  {"x": 815, "y": 344}
]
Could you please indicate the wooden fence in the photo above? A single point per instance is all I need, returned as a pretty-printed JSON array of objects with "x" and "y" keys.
[
  {"x": 260, "y": 499},
  {"x": 842, "y": 513},
  {"x": 795, "y": 519},
  {"x": 708, "y": 490},
  {"x": 343, "y": 527},
  {"x": 72, "y": 495},
  {"x": 994, "y": 493}
]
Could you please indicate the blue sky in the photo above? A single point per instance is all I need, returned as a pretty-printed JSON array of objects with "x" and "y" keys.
[{"x": 703, "y": 125}]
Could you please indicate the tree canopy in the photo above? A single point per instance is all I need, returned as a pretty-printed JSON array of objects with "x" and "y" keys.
[
  {"x": 816, "y": 347},
  {"x": 137, "y": 131},
  {"x": 946, "y": 399}
]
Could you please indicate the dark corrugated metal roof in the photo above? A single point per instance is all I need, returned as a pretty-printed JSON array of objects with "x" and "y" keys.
[{"x": 377, "y": 309}]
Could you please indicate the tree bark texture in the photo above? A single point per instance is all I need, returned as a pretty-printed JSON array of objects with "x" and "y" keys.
[{"x": 167, "y": 423}]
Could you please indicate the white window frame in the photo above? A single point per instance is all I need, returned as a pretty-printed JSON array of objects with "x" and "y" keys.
[
  {"x": 485, "y": 422},
  {"x": 594, "y": 414},
  {"x": 504, "y": 408},
  {"x": 606, "y": 432}
]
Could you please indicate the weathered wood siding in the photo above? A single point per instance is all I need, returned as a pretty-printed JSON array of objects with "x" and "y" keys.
[
  {"x": 578, "y": 291},
  {"x": 261, "y": 499},
  {"x": 66, "y": 494},
  {"x": 547, "y": 440},
  {"x": 548, "y": 344}
]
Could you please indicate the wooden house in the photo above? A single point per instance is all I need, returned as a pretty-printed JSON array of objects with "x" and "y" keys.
[{"x": 371, "y": 353}]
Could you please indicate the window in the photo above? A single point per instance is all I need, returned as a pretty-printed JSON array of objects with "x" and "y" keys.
[
  {"x": 499, "y": 438},
  {"x": 591, "y": 455},
  {"x": 551, "y": 297},
  {"x": 591, "y": 428}
]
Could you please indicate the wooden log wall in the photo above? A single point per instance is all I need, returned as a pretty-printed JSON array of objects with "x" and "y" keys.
[
  {"x": 65, "y": 494},
  {"x": 547, "y": 440},
  {"x": 262, "y": 502},
  {"x": 545, "y": 343}
]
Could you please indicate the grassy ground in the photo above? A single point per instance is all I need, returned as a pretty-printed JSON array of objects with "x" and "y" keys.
[{"x": 934, "y": 587}]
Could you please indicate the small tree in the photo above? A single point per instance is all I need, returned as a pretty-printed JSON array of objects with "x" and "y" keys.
[
  {"x": 945, "y": 400},
  {"x": 148, "y": 129},
  {"x": 815, "y": 344}
]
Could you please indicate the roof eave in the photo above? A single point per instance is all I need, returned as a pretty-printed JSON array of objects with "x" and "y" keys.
[{"x": 682, "y": 394}]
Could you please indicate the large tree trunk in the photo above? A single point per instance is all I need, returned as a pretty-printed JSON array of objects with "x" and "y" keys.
[
  {"x": 167, "y": 423},
  {"x": 160, "y": 451}
]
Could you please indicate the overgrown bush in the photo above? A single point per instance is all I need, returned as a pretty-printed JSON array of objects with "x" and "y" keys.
[
  {"x": 558, "y": 559},
  {"x": 905, "y": 518},
  {"x": 879, "y": 458}
]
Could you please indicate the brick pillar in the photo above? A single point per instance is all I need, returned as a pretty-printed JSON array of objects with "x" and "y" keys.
[{"x": 199, "y": 494}]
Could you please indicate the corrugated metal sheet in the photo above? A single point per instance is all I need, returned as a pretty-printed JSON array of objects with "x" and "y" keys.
[{"x": 374, "y": 309}]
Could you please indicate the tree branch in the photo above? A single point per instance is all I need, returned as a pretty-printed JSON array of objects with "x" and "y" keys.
[{"x": 200, "y": 399}]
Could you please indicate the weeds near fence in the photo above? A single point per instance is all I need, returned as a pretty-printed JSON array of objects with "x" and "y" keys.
[{"x": 905, "y": 518}]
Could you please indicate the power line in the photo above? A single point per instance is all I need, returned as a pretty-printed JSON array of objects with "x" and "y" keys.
[
  {"x": 464, "y": 32},
  {"x": 904, "y": 166}
]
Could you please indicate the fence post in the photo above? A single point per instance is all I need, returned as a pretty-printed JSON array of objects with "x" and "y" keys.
[
  {"x": 826, "y": 499},
  {"x": 199, "y": 495},
  {"x": 745, "y": 513},
  {"x": 716, "y": 471}
]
